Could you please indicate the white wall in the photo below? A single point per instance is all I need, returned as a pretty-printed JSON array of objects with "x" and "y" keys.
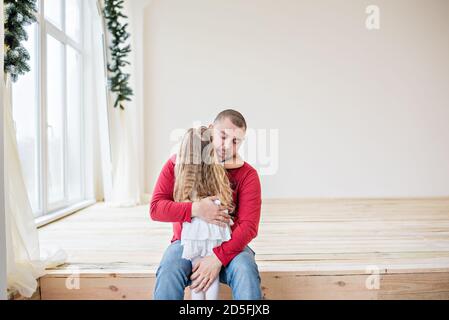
[{"x": 360, "y": 113}]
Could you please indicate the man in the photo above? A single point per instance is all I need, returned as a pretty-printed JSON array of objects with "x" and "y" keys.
[{"x": 233, "y": 261}]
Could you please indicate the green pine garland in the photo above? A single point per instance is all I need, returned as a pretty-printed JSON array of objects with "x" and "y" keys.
[
  {"x": 118, "y": 80},
  {"x": 18, "y": 14}
]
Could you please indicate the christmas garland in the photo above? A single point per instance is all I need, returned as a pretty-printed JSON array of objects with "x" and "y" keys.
[
  {"x": 118, "y": 80},
  {"x": 18, "y": 14}
]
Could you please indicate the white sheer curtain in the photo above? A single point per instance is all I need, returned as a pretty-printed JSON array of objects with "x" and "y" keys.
[
  {"x": 3, "y": 284},
  {"x": 25, "y": 261},
  {"x": 96, "y": 101},
  {"x": 115, "y": 139},
  {"x": 125, "y": 187},
  {"x": 126, "y": 134}
]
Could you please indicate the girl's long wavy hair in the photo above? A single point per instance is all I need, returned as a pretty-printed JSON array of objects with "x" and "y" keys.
[{"x": 198, "y": 174}]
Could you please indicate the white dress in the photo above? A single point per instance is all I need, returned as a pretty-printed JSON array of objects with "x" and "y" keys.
[{"x": 199, "y": 237}]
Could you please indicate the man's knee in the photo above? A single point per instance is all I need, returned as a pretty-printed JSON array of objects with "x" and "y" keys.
[
  {"x": 244, "y": 278},
  {"x": 172, "y": 275},
  {"x": 244, "y": 266},
  {"x": 174, "y": 266},
  {"x": 172, "y": 262}
]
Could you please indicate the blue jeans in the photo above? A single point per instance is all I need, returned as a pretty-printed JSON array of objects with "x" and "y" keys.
[{"x": 173, "y": 275}]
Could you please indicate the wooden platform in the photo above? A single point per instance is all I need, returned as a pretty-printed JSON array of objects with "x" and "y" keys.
[{"x": 306, "y": 249}]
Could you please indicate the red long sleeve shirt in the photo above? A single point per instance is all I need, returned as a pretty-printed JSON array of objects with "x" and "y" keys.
[{"x": 247, "y": 198}]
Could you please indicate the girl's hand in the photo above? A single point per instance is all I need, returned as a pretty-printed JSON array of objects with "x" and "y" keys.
[
  {"x": 207, "y": 210},
  {"x": 230, "y": 222}
]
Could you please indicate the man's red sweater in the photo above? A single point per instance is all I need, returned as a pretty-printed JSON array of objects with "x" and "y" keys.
[{"x": 247, "y": 198}]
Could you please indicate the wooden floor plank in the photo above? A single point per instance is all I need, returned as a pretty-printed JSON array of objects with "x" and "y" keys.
[{"x": 407, "y": 240}]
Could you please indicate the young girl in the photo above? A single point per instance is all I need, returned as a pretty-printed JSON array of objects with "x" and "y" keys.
[{"x": 198, "y": 175}]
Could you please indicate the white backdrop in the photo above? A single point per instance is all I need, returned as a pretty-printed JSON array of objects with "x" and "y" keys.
[{"x": 360, "y": 113}]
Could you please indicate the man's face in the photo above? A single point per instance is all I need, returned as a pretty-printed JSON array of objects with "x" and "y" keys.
[{"x": 227, "y": 139}]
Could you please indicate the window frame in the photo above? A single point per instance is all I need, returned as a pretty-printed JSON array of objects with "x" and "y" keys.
[{"x": 49, "y": 212}]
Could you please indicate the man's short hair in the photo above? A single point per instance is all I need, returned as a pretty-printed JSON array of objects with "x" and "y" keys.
[{"x": 236, "y": 118}]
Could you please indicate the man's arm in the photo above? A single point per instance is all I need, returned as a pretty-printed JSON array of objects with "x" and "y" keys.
[
  {"x": 163, "y": 208},
  {"x": 247, "y": 224}
]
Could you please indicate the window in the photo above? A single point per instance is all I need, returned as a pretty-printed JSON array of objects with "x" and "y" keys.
[{"x": 48, "y": 109}]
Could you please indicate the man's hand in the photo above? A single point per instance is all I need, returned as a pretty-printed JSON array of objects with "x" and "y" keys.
[
  {"x": 207, "y": 210},
  {"x": 205, "y": 272}
]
